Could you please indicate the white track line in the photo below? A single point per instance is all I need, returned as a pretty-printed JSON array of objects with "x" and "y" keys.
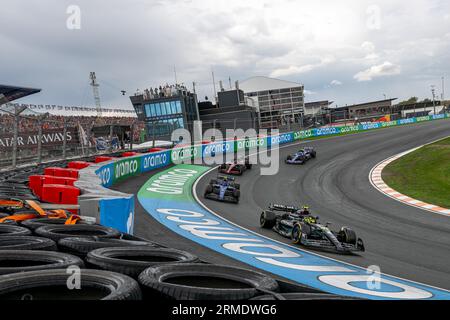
[
  {"x": 194, "y": 188},
  {"x": 376, "y": 179}
]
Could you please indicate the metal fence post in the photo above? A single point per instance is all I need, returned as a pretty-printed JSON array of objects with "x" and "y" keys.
[
  {"x": 39, "y": 146},
  {"x": 88, "y": 138},
  {"x": 17, "y": 111},
  {"x": 131, "y": 136},
  {"x": 16, "y": 135},
  {"x": 153, "y": 133},
  {"x": 111, "y": 131},
  {"x": 64, "y": 138},
  {"x": 39, "y": 142}
]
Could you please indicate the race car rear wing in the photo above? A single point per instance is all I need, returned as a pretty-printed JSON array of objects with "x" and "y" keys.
[
  {"x": 281, "y": 207},
  {"x": 225, "y": 178}
]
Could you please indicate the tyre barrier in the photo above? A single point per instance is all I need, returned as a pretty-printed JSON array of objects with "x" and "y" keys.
[
  {"x": 33, "y": 224},
  {"x": 13, "y": 230},
  {"x": 205, "y": 282},
  {"x": 52, "y": 285},
  {"x": 26, "y": 243},
  {"x": 133, "y": 260},
  {"x": 82, "y": 246},
  {"x": 105, "y": 248},
  {"x": 13, "y": 261},
  {"x": 58, "y": 232}
]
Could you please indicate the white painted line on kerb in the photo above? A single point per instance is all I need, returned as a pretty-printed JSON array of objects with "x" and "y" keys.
[{"x": 376, "y": 180}]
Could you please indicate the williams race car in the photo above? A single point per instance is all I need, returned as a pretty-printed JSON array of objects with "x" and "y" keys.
[
  {"x": 304, "y": 229},
  {"x": 301, "y": 156},
  {"x": 223, "y": 189},
  {"x": 237, "y": 167}
]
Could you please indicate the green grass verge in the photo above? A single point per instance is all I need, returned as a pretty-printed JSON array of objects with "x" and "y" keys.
[{"x": 423, "y": 174}]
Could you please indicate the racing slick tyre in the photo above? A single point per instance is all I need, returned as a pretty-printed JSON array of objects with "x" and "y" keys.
[
  {"x": 52, "y": 285},
  {"x": 237, "y": 193},
  {"x": 13, "y": 230},
  {"x": 33, "y": 224},
  {"x": 133, "y": 260},
  {"x": 298, "y": 230},
  {"x": 208, "y": 190},
  {"x": 349, "y": 236},
  {"x": 205, "y": 282},
  {"x": 26, "y": 243},
  {"x": 82, "y": 246},
  {"x": 248, "y": 166},
  {"x": 12, "y": 261},
  {"x": 57, "y": 232},
  {"x": 267, "y": 219}
]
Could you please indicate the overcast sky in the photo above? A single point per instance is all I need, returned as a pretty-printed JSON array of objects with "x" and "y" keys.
[{"x": 347, "y": 51}]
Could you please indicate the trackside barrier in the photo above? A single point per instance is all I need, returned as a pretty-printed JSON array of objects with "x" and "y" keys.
[{"x": 116, "y": 209}]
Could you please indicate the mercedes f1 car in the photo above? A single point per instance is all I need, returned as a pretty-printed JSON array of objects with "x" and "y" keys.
[
  {"x": 304, "y": 229},
  {"x": 223, "y": 189},
  {"x": 301, "y": 156},
  {"x": 237, "y": 167}
]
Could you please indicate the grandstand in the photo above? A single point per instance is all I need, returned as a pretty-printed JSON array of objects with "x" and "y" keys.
[{"x": 33, "y": 133}]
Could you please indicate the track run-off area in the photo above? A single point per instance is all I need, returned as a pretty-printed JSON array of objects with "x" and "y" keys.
[{"x": 402, "y": 241}]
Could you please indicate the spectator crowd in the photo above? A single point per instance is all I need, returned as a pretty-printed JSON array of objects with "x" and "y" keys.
[{"x": 30, "y": 123}]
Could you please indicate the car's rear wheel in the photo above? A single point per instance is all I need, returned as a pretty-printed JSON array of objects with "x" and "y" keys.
[
  {"x": 349, "y": 236},
  {"x": 267, "y": 220},
  {"x": 208, "y": 190}
]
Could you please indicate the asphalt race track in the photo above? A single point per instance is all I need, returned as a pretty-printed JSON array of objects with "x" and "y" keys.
[{"x": 402, "y": 240}]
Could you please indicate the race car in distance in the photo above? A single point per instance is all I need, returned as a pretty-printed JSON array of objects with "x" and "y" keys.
[
  {"x": 304, "y": 229},
  {"x": 301, "y": 156},
  {"x": 223, "y": 189},
  {"x": 237, "y": 167}
]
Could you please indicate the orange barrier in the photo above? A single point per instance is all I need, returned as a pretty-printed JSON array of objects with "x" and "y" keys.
[
  {"x": 78, "y": 164},
  {"x": 60, "y": 194},
  {"x": 61, "y": 172},
  {"x": 103, "y": 159},
  {"x": 36, "y": 182}
]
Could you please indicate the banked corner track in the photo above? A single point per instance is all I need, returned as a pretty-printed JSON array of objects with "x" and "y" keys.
[{"x": 169, "y": 198}]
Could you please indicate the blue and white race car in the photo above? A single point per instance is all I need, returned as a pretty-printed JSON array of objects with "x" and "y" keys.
[
  {"x": 223, "y": 189},
  {"x": 301, "y": 156}
]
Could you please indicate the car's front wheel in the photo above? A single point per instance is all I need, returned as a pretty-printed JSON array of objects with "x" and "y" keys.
[{"x": 296, "y": 235}]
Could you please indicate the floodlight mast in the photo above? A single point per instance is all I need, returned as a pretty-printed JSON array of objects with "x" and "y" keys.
[{"x": 95, "y": 86}]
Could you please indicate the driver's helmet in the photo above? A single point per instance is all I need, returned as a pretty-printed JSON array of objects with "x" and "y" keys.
[{"x": 305, "y": 210}]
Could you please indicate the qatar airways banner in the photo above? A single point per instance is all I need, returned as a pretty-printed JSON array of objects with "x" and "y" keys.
[{"x": 50, "y": 137}]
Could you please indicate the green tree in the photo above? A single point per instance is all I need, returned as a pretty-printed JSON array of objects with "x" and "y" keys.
[{"x": 409, "y": 101}]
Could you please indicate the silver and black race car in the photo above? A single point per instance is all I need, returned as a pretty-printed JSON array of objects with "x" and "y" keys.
[
  {"x": 223, "y": 189},
  {"x": 304, "y": 229},
  {"x": 301, "y": 156}
]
